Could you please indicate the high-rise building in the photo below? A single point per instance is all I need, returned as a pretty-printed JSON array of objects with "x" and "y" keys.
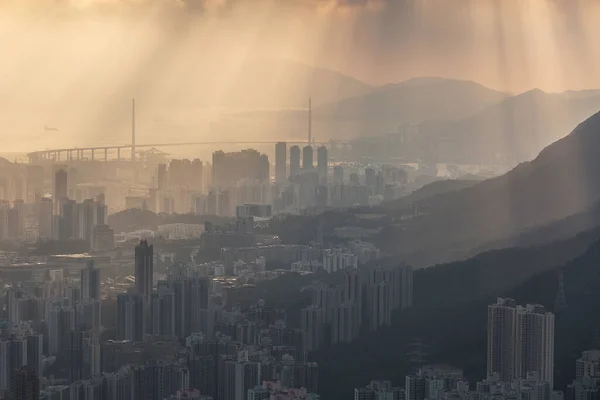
[
  {"x": 84, "y": 217},
  {"x": 4, "y": 213},
  {"x": 344, "y": 323},
  {"x": 414, "y": 387},
  {"x": 162, "y": 320},
  {"x": 379, "y": 304},
  {"x": 62, "y": 321},
  {"x": 84, "y": 354},
  {"x": 90, "y": 281},
  {"x": 534, "y": 347},
  {"x": 239, "y": 377},
  {"x": 281, "y": 162},
  {"x": 144, "y": 269},
  {"x": 24, "y": 385},
  {"x": 35, "y": 348},
  {"x": 353, "y": 294},
  {"x": 131, "y": 321},
  {"x": 264, "y": 173},
  {"x": 45, "y": 218},
  {"x": 16, "y": 220},
  {"x": 405, "y": 283},
  {"x": 87, "y": 314},
  {"x": 307, "y": 158},
  {"x": 294, "y": 161},
  {"x": 338, "y": 175},
  {"x": 312, "y": 320},
  {"x": 67, "y": 219},
  {"x": 120, "y": 385},
  {"x": 588, "y": 366},
  {"x": 322, "y": 164},
  {"x": 157, "y": 380},
  {"x": 103, "y": 238},
  {"x": 520, "y": 341},
  {"x": 259, "y": 393},
  {"x": 197, "y": 175},
  {"x": 501, "y": 331},
  {"x": 230, "y": 168},
  {"x": 13, "y": 355},
  {"x": 34, "y": 181},
  {"x": 59, "y": 187}
]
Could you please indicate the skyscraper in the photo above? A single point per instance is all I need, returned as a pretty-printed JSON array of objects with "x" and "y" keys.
[
  {"x": 338, "y": 175},
  {"x": 264, "y": 168},
  {"x": 59, "y": 187},
  {"x": 281, "y": 162},
  {"x": 90, "y": 281},
  {"x": 196, "y": 175},
  {"x": 62, "y": 321},
  {"x": 131, "y": 323},
  {"x": 520, "y": 340},
  {"x": 229, "y": 168},
  {"x": 35, "y": 348},
  {"x": 24, "y": 385},
  {"x": 534, "y": 348},
  {"x": 501, "y": 338},
  {"x": 144, "y": 268},
  {"x": 34, "y": 182},
  {"x": 45, "y": 218},
  {"x": 307, "y": 158},
  {"x": 294, "y": 161},
  {"x": 322, "y": 164},
  {"x": 353, "y": 294}
]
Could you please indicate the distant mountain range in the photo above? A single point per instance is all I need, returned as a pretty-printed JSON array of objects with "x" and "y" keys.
[
  {"x": 415, "y": 101},
  {"x": 517, "y": 128},
  {"x": 456, "y": 121},
  {"x": 562, "y": 181},
  {"x": 279, "y": 84}
]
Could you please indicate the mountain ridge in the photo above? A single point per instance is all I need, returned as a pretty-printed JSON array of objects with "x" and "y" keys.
[{"x": 563, "y": 180}]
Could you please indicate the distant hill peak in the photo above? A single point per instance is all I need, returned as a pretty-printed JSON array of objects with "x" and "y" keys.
[
  {"x": 533, "y": 93},
  {"x": 434, "y": 80}
]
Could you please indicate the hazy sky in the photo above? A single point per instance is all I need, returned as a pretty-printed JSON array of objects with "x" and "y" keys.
[{"x": 77, "y": 62}]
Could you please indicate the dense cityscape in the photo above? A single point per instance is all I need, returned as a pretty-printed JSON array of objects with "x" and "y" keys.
[
  {"x": 186, "y": 327},
  {"x": 305, "y": 200},
  {"x": 123, "y": 319}
]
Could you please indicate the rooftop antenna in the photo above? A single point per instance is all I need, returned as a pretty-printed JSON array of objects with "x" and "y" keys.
[
  {"x": 309, "y": 121},
  {"x": 133, "y": 130}
]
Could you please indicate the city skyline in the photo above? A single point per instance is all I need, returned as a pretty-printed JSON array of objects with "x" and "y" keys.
[{"x": 300, "y": 200}]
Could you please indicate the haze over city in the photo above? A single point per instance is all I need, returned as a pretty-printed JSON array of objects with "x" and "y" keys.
[
  {"x": 75, "y": 65},
  {"x": 299, "y": 200}
]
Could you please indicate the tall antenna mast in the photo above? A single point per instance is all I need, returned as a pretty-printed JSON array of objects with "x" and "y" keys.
[
  {"x": 133, "y": 130},
  {"x": 309, "y": 121}
]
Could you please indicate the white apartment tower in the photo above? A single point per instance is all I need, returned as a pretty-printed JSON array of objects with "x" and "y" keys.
[
  {"x": 534, "y": 348},
  {"x": 520, "y": 340}
]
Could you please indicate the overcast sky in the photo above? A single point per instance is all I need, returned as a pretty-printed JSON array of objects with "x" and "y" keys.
[{"x": 102, "y": 51}]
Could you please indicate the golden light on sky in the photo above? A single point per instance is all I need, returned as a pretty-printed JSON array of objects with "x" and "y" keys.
[{"x": 77, "y": 63}]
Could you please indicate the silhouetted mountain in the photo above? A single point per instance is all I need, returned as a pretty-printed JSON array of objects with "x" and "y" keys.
[
  {"x": 450, "y": 315},
  {"x": 431, "y": 190},
  {"x": 453, "y": 120},
  {"x": 279, "y": 84},
  {"x": 516, "y": 129},
  {"x": 554, "y": 231},
  {"x": 563, "y": 180},
  {"x": 415, "y": 101}
]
